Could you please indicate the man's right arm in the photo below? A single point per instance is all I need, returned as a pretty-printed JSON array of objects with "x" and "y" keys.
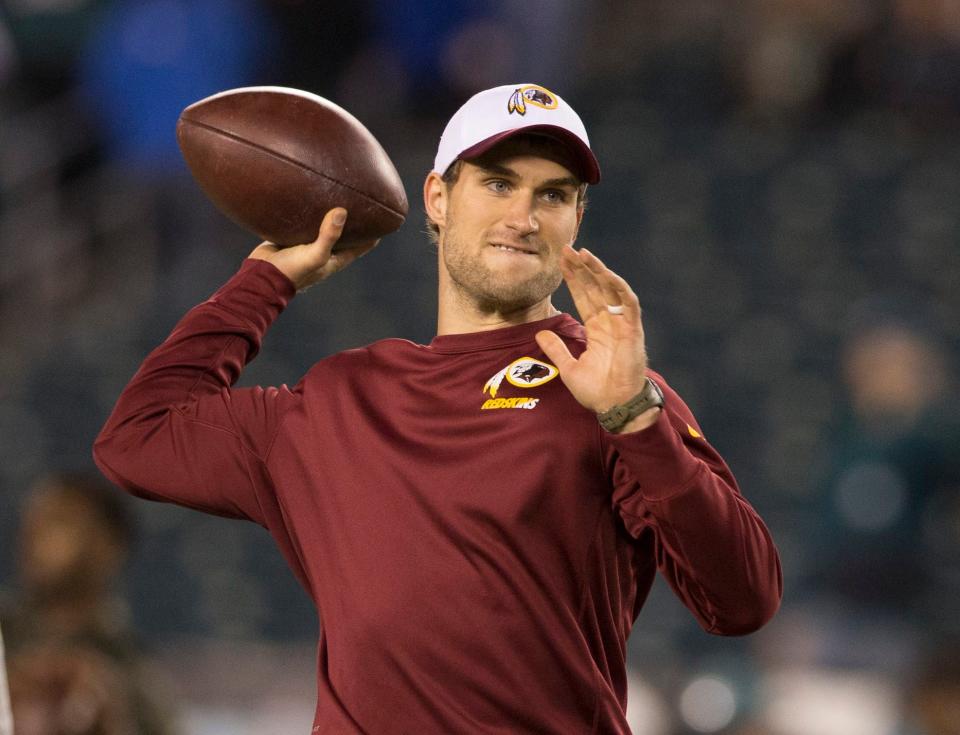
[{"x": 178, "y": 432}]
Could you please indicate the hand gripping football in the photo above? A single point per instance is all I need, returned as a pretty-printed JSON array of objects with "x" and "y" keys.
[{"x": 276, "y": 160}]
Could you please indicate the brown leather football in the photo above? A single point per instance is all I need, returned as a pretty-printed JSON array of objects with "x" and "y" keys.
[{"x": 276, "y": 160}]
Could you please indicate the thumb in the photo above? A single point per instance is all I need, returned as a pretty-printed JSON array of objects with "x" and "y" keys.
[
  {"x": 318, "y": 252},
  {"x": 306, "y": 264},
  {"x": 554, "y": 348}
]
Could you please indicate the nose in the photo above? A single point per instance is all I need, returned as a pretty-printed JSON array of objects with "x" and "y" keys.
[{"x": 521, "y": 215}]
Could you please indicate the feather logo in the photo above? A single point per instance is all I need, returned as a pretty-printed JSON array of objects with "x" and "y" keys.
[
  {"x": 531, "y": 94},
  {"x": 516, "y": 103}
]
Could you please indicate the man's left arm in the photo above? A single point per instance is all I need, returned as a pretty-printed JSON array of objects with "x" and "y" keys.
[{"x": 711, "y": 545}]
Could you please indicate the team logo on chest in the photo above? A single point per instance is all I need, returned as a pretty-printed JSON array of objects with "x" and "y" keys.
[{"x": 525, "y": 372}]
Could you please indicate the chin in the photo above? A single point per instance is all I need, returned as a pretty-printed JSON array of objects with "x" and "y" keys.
[
  {"x": 522, "y": 296},
  {"x": 496, "y": 286}
]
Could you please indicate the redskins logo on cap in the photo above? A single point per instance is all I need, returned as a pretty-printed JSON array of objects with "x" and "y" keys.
[{"x": 531, "y": 94}]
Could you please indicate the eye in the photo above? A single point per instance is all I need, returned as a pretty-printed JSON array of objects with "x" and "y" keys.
[
  {"x": 555, "y": 196},
  {"x": 498, "y": 186}
]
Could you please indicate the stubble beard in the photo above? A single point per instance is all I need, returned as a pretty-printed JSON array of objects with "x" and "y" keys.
[{"x": 488, "y": 291}]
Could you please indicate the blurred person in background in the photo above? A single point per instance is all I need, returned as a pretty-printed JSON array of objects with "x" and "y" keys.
[
  {"x": 68, "y": 632},
  {"x": 933, "y": 697},
  {"x": 891, "y": 515},
  {"x": 903, "y": 57},
  {"x": 71, "y": 690}
]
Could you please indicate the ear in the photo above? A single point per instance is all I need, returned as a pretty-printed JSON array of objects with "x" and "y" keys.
[{"x": 435, "y": 199}]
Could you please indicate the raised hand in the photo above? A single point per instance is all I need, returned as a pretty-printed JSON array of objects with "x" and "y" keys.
[
  {"x": 312, "y": 262},
  {"x": 612, "y": 369}
]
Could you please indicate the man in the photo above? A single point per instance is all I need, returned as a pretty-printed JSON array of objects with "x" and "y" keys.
[{"x": 477, "y": 543}]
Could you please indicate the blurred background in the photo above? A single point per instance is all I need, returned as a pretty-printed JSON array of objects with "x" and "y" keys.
[{"x": 781, "y": 186}]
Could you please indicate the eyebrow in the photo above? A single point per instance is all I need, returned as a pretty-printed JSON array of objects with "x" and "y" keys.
[
  {"x": 496, "y": 168},
  {"x": 572, "y": 181}
]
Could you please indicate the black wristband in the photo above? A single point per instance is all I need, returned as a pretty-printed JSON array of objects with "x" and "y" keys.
[{"x": 617, "y": 417}]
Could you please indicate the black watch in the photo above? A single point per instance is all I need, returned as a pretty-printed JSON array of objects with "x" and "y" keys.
[{"x": 617, "y": 417}]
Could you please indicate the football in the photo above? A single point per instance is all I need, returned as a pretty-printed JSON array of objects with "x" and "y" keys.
[{"x": 275, "y": 160}]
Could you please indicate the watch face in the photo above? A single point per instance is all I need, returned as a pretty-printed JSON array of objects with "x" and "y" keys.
[{"x": 657, "y": 393}]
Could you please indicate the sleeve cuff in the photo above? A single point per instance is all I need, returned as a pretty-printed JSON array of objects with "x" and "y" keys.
[
  {"x": 656, "y": 457},
  {"x": 257, "y": 293}
]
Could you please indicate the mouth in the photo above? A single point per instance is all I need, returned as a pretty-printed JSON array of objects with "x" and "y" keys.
[{"x": 515, "y": 249}]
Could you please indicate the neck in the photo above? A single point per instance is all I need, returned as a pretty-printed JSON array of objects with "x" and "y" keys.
[{"x": 460, "y": 313}]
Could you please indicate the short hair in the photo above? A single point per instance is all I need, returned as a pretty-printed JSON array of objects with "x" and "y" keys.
[{"x": 452, "y": 174}]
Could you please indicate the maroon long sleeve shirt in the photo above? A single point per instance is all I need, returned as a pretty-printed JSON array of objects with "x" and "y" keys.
[{"x": 477, "y": 546}]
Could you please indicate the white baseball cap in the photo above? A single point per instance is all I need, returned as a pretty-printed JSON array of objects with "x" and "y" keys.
[{"x": 496, "y": 114}]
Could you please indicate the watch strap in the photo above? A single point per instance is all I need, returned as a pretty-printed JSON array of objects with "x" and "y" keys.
[{"x": 617, "y": 417}]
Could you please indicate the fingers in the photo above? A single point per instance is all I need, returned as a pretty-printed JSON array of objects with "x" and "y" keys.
[
  {"x": 579, "y": 283},
  {"x": 601, "y": 273},
  {"x": 555, "y": 350},
  {"x": 311, "y": 262},
  {"x": 616, "y": 291},
  {"x": 342, "y": 258},
  {"x": 594, "y": 286}
]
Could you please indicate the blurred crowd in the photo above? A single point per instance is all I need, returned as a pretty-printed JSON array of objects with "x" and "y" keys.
[{"x": 781, "y": 186}]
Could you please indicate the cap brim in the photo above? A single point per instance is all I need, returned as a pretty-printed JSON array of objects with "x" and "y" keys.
[{"x": 589, "y": 169}]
